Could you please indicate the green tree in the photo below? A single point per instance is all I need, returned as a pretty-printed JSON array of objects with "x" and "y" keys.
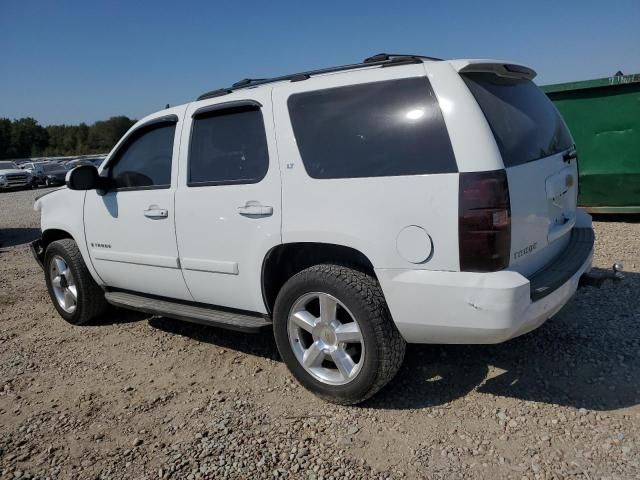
[
  {"x": 83, "y": 138},
  {"x": 103, "y": 135},
  {"x": 5, "y": 137},
  {"x": 24, "y": 137},
  {"x": 27, "y": 138}
]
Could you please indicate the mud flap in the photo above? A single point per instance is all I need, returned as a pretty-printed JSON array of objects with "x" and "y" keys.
[{"x": 38, "y": 251}]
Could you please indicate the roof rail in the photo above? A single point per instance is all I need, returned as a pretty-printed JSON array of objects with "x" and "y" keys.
[
  {"x": 389, "y": 56},
  {"x": 381, "y": 60},
  {"x": 246, "y": 82}
]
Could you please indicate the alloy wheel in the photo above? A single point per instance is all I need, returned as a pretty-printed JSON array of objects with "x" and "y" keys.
[
  {"x": 63, "y": 284},
  {"x": 326, "y": 338}
]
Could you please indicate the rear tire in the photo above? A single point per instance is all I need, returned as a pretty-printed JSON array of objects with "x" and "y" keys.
[
  {"x": 315, "y": 346},
  {"x": 75, "y": 295}
]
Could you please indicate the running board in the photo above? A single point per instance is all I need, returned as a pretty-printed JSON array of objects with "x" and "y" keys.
[{"x": 241, "y": 322}]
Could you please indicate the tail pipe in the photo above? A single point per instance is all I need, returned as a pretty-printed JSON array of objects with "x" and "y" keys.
[{"x": 591, "y": 279}]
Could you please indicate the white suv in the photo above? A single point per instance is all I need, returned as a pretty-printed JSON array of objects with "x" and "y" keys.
[
  {"x": 12, "y": 176},
  {"x": 352, "y": 209}
]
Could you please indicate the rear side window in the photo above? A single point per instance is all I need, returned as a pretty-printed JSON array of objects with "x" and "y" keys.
[
  {"x": 376, "y": 129},
  {"x": 524, "y": 122},
  {"x": 145, "y": 160},
  {"x": 228, "y": 147}
]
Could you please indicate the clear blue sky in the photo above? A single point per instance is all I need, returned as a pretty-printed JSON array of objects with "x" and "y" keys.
[{"x": 72, "y": 61}]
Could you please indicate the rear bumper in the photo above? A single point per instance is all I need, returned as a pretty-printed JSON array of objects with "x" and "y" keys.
[{"x": 466, "y": 308}]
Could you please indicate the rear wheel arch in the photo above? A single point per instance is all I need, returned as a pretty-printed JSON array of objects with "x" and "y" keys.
[
  {"x": 285, "y": 260},
  {"x": 343, "y": 353}
]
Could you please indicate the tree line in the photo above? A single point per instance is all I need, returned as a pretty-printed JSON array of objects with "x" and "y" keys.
[{"x": 24, "y": 137}]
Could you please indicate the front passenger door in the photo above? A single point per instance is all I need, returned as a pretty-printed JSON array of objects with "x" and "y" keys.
[{"x": 130, "y": 229}]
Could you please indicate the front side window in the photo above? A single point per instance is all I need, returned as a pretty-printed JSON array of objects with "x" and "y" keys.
[
  {"x": 379, "y": 129},
  {"x": 228, "y": 147},
  {"x": 145, "y": 160}
]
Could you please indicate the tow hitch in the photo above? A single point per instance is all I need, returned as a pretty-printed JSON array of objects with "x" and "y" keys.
[{"x": 591, "y": 279}]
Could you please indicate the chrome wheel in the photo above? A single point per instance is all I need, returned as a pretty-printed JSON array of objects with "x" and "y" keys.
[
  {"x": 63, "y": 284},
  {"x": 326, "y": 338}
]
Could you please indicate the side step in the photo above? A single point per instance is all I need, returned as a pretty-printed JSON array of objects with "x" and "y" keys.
[{"x": 231, "y": 320}]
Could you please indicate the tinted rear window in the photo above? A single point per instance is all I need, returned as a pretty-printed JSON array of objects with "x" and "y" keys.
[
  {"x": 524, "y": 122},
  {"x": 376, "y": 129}
]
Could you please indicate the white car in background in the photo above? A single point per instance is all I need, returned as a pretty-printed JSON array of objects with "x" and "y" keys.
[
  {"x": 12, "y": 176},
  {"x": 350, "y": 209}
]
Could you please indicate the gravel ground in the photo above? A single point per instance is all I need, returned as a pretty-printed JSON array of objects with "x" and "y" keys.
[{"x": 140, "y": 397}]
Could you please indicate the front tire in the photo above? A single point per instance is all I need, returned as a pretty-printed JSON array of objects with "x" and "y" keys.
[
  {"x": 75, "y": 295},
  {"x": 334, "y": 332}
]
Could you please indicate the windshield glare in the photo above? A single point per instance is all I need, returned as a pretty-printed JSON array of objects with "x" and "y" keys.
[{"x": 8, "y": 166}]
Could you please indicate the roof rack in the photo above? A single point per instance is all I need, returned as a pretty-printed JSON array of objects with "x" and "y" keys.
[
  {"x": 380, "y": 57},
  {"x": 246, "y": 81},
  {"x": 381, "y": 60}
]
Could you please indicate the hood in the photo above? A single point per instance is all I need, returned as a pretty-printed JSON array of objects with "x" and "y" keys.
[
  {"x": 37, "y": 204},
  {"x": 11, "y": 171}
]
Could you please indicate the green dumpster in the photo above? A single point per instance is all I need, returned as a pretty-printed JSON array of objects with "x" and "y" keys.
[{"x": 604, "y": 118}]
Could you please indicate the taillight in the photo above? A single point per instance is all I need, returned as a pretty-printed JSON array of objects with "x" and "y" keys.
[{"x": 484, "y": 228}]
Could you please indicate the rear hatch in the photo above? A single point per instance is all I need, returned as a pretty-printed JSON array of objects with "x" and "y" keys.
[{"x": 539, "y": 158}]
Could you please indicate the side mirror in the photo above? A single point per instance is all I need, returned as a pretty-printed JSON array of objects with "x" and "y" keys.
[{"x": 84, "y": 177}]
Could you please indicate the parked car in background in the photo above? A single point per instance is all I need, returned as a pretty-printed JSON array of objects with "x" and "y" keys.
[
  {"x": 36, "y": 171},
  {"x": 12, "y": 176},
  {"x": 54, "y": 174},
  {"x": 97, "y": 161},
  {"x": 76, "y": 163}
]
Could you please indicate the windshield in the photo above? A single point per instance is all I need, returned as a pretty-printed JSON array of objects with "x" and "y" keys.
[
  {"x": 51, "y": 168},
  {"x": 8, "y": 166},
  {"x": 524, "y": 122}
]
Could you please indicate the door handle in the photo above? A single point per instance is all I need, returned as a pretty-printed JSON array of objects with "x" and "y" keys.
[
  {"x": 154, "y": 212},
  {"x": 253, "y": 208}
]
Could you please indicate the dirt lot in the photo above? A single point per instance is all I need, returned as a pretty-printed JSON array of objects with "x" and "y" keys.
[{"x": 139, "y": 397}]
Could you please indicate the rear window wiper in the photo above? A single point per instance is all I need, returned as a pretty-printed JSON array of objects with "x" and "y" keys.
[{"x": 570, "y": 155}]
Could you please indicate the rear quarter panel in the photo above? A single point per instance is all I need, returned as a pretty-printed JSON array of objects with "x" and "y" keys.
[{"x": 364, "y": 213}]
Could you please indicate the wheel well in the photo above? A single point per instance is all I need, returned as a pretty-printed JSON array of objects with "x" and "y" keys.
[
  {"x": 52, "y": 235},
  {"x": 284, "y": 261}
]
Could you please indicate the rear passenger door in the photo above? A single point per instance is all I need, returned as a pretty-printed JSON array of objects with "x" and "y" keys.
[{"x": 228, "y": 200}]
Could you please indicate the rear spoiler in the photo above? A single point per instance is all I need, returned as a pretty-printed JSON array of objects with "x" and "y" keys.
[{"x": 502, "y": 69}]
